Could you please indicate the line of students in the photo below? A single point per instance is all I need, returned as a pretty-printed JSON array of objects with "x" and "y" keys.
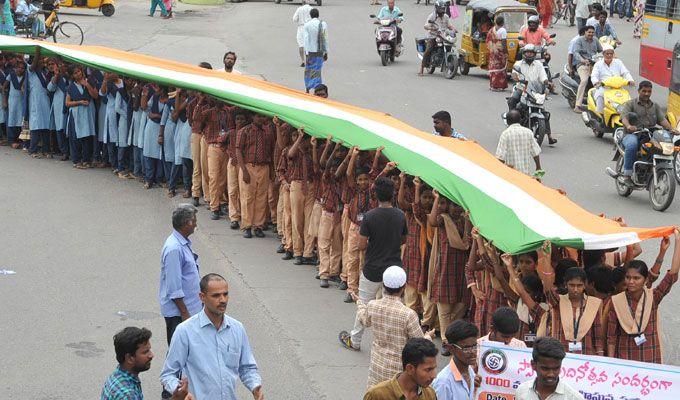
[{"x": 261, "y": 171}]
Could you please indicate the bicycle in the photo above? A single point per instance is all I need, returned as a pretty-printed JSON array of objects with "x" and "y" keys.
[
  {"x": 563, "y": 10},
  {"x": 61, "y": 31}
]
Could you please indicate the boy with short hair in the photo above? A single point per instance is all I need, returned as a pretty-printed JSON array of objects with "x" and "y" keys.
[
  {"x": 419, "y": 361},
  {"x": 546, "y": 361},
  {"x": 457, "y": 380},
  {"x": 504, "y": 328}
]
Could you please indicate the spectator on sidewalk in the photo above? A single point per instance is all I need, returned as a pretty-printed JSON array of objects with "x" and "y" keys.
[
  {"x": 419, "y": 365},
  {"x": 212, "y": 349}
]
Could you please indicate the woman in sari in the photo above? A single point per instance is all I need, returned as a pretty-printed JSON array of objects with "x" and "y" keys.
[
  {"x": 6, "y": 20},
  {"x": 496, "y": 42},
  {"x": 545, "y": 10}
]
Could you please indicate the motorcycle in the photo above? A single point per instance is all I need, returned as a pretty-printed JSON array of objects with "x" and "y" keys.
[
  {"x": 532, "y": 108},
  {"x": 653, "y": 169},
  {"x": 386, "y": 39},
  {"x": 444, "y": 54},
  {"x": 544, "y": 57},
  {"x": 569, "y": 82},
  {"x": 615, "y": 96}
]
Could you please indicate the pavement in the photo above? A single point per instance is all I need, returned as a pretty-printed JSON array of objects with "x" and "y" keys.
[{"x": 86, "y": 245}]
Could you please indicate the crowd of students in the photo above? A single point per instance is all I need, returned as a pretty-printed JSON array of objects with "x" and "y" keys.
[{"x": 313, "y": 193}]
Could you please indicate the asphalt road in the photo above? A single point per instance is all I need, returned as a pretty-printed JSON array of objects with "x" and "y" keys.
[{"x": 86, "y": 245}]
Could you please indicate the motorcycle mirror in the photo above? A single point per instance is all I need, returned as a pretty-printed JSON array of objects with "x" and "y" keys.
[
  {"x": 552, "y": 36},
  {"x": 520, "y": 37},
  {"x": 372, "y": 16}
]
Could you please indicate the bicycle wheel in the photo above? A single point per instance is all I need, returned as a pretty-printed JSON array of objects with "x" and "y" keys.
[{"x": 68, "y": 33}]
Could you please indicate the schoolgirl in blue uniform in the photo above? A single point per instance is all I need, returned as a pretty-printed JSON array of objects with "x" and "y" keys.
[
  {"x": 39, "y": 105},
  {"x": 16, "y": 99},
  {"x": 153, "y": 152},
  {"x": 58, "y": 86},
  {"x": 80, "y": 121},
  {"x": 167, "y": 136}
]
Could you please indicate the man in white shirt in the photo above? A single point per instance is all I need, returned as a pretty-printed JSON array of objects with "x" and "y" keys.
[
  {"x": 517, "y": 148},
  {"x": 583, "y": 8},
  {"x": 547, "y": 357},
  {"x": 596, "y": 9},
  {"x": 316, "y": 49},
  {"x": 28, "y": 14},
  {"x": 301, "y": 17},
  {"x": 606, "y": 68}
]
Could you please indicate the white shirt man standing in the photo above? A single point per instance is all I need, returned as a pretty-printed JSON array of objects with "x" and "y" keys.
[
  {"x": 517, "y": 145},
  {"x": 301, "y": 17}
]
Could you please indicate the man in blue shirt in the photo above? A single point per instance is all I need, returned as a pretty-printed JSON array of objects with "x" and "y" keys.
[
  {"x": 134, "y": 355},
  {"x": 457, "y": 380},
  {"x": 179, "y": 280},
  {"x": 442, "y": 126},
  {"x": 212, "y": 349},
  {"x": 390, "y": 11}
]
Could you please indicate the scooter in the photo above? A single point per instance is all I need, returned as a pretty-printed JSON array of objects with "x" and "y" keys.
[
  {"x": 386, "y": 39},
  {"x": 444, "y": 54},
  {"x": 569, "y": 83},
  {"x": 615, "y": 96},
  {"x": 653, "y": 169}
]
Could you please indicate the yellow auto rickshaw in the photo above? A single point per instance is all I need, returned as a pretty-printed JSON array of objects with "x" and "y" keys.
[
  {"x": 479, "y": 19},
  {"x": 107, "y": 7}
]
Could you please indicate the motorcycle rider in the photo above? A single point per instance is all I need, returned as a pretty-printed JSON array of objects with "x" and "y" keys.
[
  {"x": 606, "y": 68},
  {"x": 645, "y": 115},
  {"x": 604, "y": 28},
  {"x": 585, "y": 48},
  {"x": 532, "y": 70},
  {"x": 436, "y": 21},
  {"x": 535, "y": 34},
  {"x": 390, "y": 11}
]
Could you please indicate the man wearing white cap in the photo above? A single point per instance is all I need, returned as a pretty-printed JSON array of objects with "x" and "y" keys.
[
  {"x": 605, "y": 68},
  {"x": 393, "y": 324}
]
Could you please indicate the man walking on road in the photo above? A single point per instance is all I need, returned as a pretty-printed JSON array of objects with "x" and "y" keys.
[
  {"x": 134, "y": 355},
  {"x": 393, "y": 325},
  {"x": 383, "y": 231},
  {"x": 517, "y": 147},
  {"x": 212, "y": 349},
  {"x": 316, "y": 49},
  {"x": 301, "y": 17},
  {"x": 179, "y": 281},
  {"x": 178, "y": 291}
]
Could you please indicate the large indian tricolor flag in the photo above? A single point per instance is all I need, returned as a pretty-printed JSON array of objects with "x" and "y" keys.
[{"x": 513, "y": 210}]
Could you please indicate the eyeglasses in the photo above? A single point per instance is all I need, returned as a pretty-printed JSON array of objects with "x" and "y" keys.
[{"x": 467, "y": 349}]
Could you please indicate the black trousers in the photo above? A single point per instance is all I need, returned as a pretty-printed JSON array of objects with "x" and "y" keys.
[{"x": 170, "y": 326}]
